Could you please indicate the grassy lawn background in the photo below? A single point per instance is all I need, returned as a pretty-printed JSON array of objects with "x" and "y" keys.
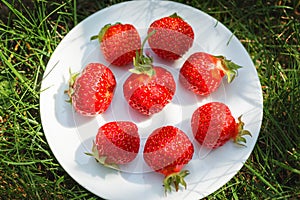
[{"x": 30, "y": 32}]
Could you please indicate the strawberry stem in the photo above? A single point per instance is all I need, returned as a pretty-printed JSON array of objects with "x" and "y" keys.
[
  {"x": 176, "y": 179},
  {"x": 102, "y": 32},
  {"x": 70, "y": 91},
  {"x": 229, "y": 68},
  {"x": 239, "y": 139},
  {"x": 175, "y": 15},
  {"x": 101, "y": 159},
  {"x": 143, "y": 63}
]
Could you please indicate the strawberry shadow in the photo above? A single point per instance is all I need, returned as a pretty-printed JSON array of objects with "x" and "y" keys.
[
  {"x": 212, "y": 167},
  {"x": 150, "y": 181},
  {"x": 153, "y": 180},
  {"x": 91, "y": 175}
]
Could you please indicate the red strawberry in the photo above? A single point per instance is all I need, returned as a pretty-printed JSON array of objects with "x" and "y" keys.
[
  {"x": 91, "y": 92},
  {"x": 117, "y": 143},
  {"x": 119, "y": 42},
  {"x": 202, "y": 73},
  {"x": 167, "y": 150},
  {"x": 213, "y": 125},
  {"x": 149, "y": 94},
  {"x": 149, "y": 89},
  {"x": 173, "y": 37}
]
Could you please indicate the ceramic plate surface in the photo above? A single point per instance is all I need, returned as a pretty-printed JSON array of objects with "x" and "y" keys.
[{"x": 70, "y": 135}]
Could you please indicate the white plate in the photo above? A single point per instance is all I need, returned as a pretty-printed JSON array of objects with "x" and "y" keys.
[{"x": 70, "y": 135}]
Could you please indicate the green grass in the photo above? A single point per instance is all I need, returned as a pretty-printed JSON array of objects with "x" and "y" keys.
[{"x": 30, "y": 32}]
